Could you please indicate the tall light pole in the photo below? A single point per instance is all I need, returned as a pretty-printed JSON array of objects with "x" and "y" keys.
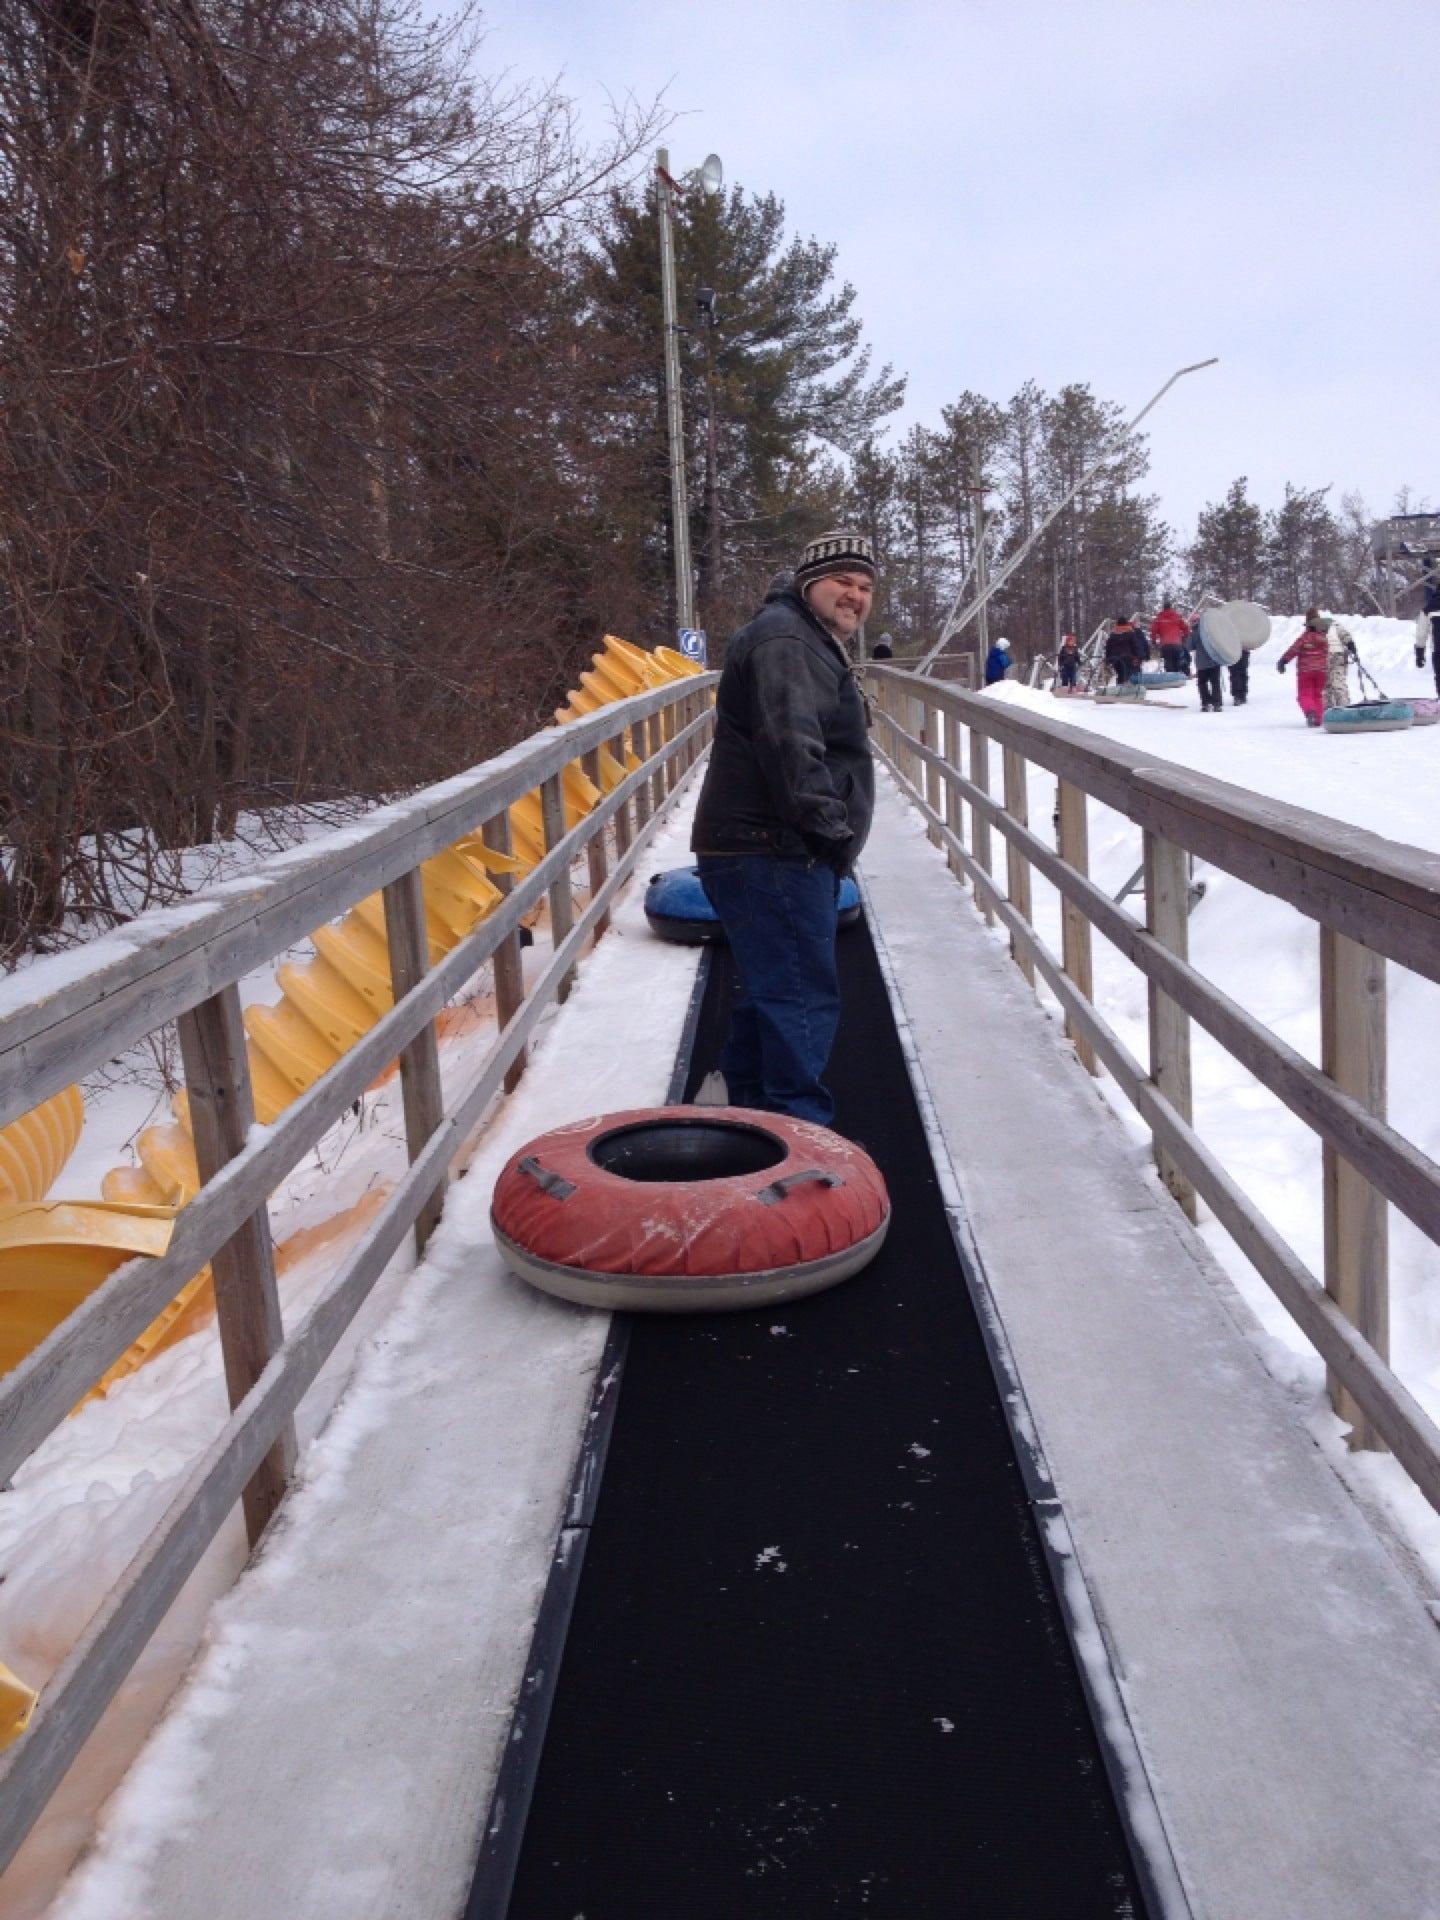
[{"x": 711, "y": 179}]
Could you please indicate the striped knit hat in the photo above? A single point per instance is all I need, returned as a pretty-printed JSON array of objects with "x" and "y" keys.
[{"x": 838, "y": 551}]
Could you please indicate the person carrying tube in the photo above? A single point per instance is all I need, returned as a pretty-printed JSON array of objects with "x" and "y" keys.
[
  {"x": 1170, "y": 630},
  {"x": 997, "y": 662},
  {"x": 1341, "y": 651},
  {"x": 1067, "y": 661},
  {"x": 782, "y": 817},
  {"x": 1207, "y": 672},
  {"x": 1311, "y": 653},
  {"x": 1125, "y": 649}
]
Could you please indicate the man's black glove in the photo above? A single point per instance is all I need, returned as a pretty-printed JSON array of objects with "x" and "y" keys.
[
  {"x": 1279, "y": 666},
  {"x": 1419, "y": 653},
  {"x": 1353, "y": 652},
  {"x": 834, "y": 854}
]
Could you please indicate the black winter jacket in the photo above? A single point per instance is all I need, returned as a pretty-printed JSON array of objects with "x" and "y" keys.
[{"x": 790, "y": 772}]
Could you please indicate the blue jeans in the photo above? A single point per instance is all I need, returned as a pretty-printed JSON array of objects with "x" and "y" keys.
[{"x": 780, "y": 919}]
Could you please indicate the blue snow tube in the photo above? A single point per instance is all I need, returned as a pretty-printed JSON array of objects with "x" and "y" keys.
[
  {"x": 1370, "y": 716},
  {"x": 1159, "y": 679},
  {"x": 677, "y": 908}
]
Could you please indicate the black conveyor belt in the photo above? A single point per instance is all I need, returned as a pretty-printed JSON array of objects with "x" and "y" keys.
[{"x": 815, "y": 1665}]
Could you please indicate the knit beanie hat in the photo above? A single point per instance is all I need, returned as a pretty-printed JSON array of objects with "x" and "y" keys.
[{"x": 835, "y": 552}]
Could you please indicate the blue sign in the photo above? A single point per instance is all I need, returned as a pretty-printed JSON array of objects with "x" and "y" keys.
[{"x": 693, "y": 644}]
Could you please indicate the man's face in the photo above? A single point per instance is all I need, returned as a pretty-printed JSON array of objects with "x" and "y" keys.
[{"x": 841, "y": 601}]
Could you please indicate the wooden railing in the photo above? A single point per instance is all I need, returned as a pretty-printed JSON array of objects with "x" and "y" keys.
[
  {"x": 183, "y": 965},
  {"x": 1372, "y": 901}
]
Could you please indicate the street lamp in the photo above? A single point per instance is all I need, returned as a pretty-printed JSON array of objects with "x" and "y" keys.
[{"x": 711, "y": 177}]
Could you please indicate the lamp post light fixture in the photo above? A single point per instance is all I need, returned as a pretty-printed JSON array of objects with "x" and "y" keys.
[{"x": 711, "y": 177}]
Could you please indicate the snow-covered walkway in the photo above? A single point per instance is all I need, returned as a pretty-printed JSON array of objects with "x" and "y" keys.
[{"x": 333, "y": 1751}]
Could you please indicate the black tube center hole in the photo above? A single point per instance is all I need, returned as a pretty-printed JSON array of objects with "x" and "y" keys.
[{"x": 686, "y": 1150}]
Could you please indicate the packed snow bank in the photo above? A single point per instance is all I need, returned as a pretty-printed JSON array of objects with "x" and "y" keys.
[
  {"x": 1266, "y": 955},
  {"x": 82, "y": 1505}
]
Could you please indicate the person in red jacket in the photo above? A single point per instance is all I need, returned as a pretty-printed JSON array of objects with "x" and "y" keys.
[
  {"x": 1170, "y": 630},
  {"x": 1311, "y": 652}
]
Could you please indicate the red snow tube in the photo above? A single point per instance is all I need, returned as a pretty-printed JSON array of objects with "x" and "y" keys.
[{"x": 689, "y": 1209}]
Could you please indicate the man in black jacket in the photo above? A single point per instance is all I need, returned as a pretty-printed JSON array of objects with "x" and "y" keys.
[{"x": 782, "y": 816}]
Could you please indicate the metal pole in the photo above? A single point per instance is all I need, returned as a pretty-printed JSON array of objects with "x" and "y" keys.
[
  {"x": 977, "y": 495},
  {"x": 985, "y": 594},
  {"x": 679, "y": 505}
]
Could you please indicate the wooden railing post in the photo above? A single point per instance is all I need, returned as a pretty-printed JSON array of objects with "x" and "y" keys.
[
  {"x": 932, "y": 732},
  {"x": 420, "y": 1088},
  {"x": 624, "y": 820},
  {"x": 1074, "y": 849},
  {"x": 1167, "y": 917},
  {"x": 597, "y": 859},
  {"x": 640, "y": 744},
  {"x": 1357, "y": 1222},
  {"x": 562, "y": 901},
  {"x": 247, "y": 1301},
  {"x": 980, "y": 777},
  {"x": 509, "y": 962},
  {"x": 954, "y": 813},
  {"x": 655, "y": 737},
  {"x": 1017, "y": 867}
]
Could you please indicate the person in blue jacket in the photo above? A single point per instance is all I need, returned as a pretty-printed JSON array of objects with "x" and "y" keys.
[{"x": 997, "y": 662}]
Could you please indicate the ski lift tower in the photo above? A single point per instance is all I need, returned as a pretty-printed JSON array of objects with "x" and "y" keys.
[{"x": 1407, "y": 556}]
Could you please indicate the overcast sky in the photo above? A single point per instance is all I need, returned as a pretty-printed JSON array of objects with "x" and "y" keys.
[{"x": 1100, "y": 191}]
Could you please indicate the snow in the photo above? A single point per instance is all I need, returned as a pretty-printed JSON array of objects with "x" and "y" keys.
[
  {"x": 1266, "y": 954},
  {"x": 84, "y": 1502}
]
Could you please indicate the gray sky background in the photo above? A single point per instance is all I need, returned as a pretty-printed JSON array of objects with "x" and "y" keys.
[{"x": 1100, "y": 191}]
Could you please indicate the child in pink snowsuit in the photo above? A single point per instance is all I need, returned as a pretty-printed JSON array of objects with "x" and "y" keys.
[{"x": 1312, "y": 653}]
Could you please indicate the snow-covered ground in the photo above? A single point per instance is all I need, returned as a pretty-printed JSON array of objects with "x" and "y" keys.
[{"x": 1266, "y": 955}]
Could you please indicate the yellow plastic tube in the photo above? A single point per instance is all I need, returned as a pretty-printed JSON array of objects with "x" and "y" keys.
[
  {"x": 17, "y": 1704},
  {"x": 35, "y": 1147}
]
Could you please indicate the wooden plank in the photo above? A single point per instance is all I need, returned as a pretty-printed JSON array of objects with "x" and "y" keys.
[
  {"x": 420, "y": 1086},
  {"x": 1167, "y": 920},
  {"x": 980, "y": 818},
  {"x": 62, "y": 1017},
  {"x": 640, "y": 745},
  {"x": 1398, "y": 1417},
  {"x": 655, "y": 741},
  {"x": 509, "y": 961},
  {"x": 1017, "y": 868},
  {"x": 624, "y": 815},
  {"x": 1074, "y": 833},
  {"x": 932, "y": 732},
  {"x": 247, "y": 1300},
  {"x": 1357, "y": 1220},
  {"x": 562, "y": 900},
  {"x": 952, "y": 750},
  {"x": 597, "y": 858}
]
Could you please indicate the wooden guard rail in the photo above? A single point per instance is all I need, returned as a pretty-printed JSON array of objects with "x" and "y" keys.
[
  {"x": 1372, "y": 900},
  {"x": 183, "y": 965}
]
